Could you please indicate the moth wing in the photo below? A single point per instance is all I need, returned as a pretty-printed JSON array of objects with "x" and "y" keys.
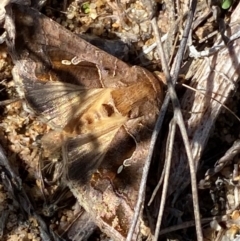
[
  {"x": 83, "y": 154},
  {"x": 56, "y": 103}
]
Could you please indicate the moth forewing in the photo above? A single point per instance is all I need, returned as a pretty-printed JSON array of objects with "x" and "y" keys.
[
  {"x": 57, "y": 103},
  {"x": 134, "y": 97},
  {"x": 102, "y": 112}
]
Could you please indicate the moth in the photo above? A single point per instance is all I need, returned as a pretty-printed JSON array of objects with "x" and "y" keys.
[{"x": 101, "y": 110}]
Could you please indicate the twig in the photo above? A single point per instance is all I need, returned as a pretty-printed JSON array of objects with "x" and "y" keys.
[
  {"x": 236, "y": 187},
  {"x": 8, "y": 102},
  {"x": 191, "y": 224},
  {"x": 176, "y": 105},
  {"x": 12, "y": 183},
  {"x": 5, "y": 163},
  {"x": 169, "y": 147},
  {"x": 223, "y": 161},
  {"x": 3, "y": 220},
  {"x": 178, "y": 117},
  {"x": 154, "y": 193},
  {"x": 142, "y": 187},
  {"x": 203, "y": 93},
  {"x": 206, "y": 53}
]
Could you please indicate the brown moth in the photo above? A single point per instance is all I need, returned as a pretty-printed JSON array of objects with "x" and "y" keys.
[{"x": 102, "y": 112}]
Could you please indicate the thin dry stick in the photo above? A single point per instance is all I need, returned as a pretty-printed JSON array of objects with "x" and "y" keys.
[
  {"x": 236, "y": 191},
  {"x": 154, "y": 193},
  {"x": 186, "y": 225},
  {"x": 141, "y": 194},
  {"x": 202, "y": 92},
  {"x": 170, "y": 142},
  {"x": 224, "y": 160},
  {"x": 13, "y": 185},
  {"x": 5, "y": 163},
  {"x": 142, "y": 188},
  {"x": 72, "y": 223},
  {"x": 179, "y": 119},
  {"x": 177, "y": 112},
  {"x": 8, "y": 102},
  {"x": 163, "y": 172}
]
